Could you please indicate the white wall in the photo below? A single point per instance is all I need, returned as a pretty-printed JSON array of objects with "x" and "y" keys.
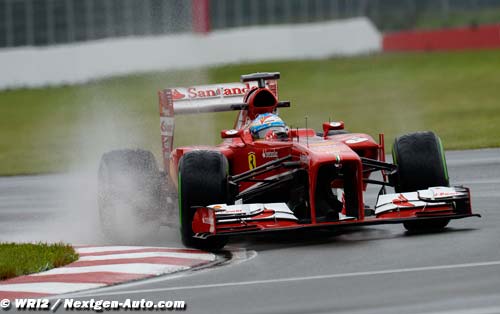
[{"x": 77, "y": 63}]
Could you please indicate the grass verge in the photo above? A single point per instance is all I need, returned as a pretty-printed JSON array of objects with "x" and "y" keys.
[
  {"x": 455, "y": 94},
  {"x": 23, "y": 259}
]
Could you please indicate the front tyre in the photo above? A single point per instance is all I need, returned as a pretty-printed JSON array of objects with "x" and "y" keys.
[
  {"x": 202, "y": 182},
  {"x": 421, "y": 164}
]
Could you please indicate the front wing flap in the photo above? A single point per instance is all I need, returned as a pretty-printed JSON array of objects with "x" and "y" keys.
[
  {"x": 220, "y": 218},
  {"x": 434, "y": 200}
]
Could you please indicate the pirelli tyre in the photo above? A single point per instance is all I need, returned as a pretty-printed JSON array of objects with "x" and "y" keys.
[
  {"x": 129, "y": 194},
  {"x": 202, "y": 181},
  {"x": 421, "y": 164}
]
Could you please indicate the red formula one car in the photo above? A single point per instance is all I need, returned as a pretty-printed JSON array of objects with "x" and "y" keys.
[{"x": 267, "y": 177}]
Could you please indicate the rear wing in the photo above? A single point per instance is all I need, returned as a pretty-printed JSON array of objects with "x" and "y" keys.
[{"x": 206, "y": 98}]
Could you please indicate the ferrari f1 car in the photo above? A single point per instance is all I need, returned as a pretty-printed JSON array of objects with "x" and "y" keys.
[{"x": 300, "y": 179}]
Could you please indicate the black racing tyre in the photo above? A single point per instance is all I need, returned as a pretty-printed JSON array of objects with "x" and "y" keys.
[
  {"x": 129, "y": 194},
  {"x": 421, "y": 164},
  {"x": 202, "y": 181},
  {"x": 432, "y": 225}
]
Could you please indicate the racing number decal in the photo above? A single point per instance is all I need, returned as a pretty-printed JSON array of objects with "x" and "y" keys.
[{"x": 252, "y": 161}]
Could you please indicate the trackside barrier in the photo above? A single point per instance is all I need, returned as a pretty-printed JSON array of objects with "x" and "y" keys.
[{"x": 475, "y": 37}]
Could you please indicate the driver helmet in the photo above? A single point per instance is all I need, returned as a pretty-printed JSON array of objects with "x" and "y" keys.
[{"x": 266, "y": 122}]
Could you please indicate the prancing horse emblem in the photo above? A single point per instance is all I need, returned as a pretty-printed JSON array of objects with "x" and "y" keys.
[{"x": 252, "y": 161}]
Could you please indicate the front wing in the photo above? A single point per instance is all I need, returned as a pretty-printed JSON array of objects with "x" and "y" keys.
[{"x": 239, "y": 219}]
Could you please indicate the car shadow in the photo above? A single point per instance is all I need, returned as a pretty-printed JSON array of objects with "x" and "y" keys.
[
  {"x": 446, "y": 230},
  {"x": 339, "y": 238}
]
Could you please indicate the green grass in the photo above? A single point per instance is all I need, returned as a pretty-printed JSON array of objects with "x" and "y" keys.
[
  {"x": 455, "y": 94},
  {"x": 24, "y": 259}
]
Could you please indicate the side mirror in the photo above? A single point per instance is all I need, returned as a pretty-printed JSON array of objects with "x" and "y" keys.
[
  {"x": 329, "y": 126},
  {"x": 231, "y": 133}
]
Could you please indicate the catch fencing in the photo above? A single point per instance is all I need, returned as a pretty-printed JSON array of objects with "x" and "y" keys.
[{"x": 49, "y": 22}]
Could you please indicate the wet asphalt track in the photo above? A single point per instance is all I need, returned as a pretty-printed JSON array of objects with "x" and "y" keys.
[{"x": 378, "y": 269}]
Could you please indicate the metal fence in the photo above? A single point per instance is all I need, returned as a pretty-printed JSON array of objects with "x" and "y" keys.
[
  {"x": 386, "y": 14},
  {"x": 47, "y": 22}
]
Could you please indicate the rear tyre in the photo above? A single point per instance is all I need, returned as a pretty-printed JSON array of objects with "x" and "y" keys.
[
  {"x": 202, "y": 182},
  {"x": 421, "y": 164},
  {"x": 129, "y": 194}
]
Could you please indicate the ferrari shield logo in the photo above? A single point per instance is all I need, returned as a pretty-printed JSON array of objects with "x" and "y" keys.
[{"x": 252, "y": 161}]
